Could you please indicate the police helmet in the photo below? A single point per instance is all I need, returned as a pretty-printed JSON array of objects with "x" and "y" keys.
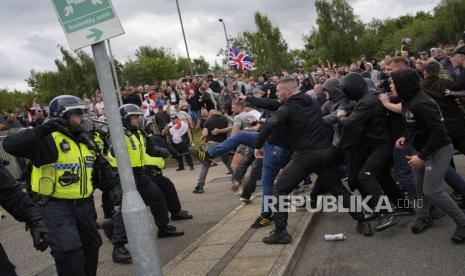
[{"x": 128, "y": 110}]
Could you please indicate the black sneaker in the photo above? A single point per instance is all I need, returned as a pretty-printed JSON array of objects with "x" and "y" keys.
[
  {"x": 181, "y": 215},
  {"x": 421, "y": 224},
  {"x": 191, "y": 168},
  {"x": 169, "y": 231},
  {"x": 121, "y": 255},
  {"x": 459, "y": 234},
  {"x": 403, "y": 212},
  {"x": 278, "y": 237},
  {"x": 180, "y": 169},
  {"x": 364, "y": 228},
  {"x": 262, "y": 221},
  {"x": 385, "y": 221},
  {"x": 198, "y": 190},
  {"x": 202, "y": 156}
]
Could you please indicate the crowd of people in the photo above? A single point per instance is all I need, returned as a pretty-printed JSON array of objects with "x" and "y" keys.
[{"x": 384, "y": 129}]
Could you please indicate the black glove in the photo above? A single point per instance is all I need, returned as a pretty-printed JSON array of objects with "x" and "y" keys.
[
  {"x": 53, "y": 124},
  {"x": 116, "y": 196},
  {"x": 39, "y": 232}
]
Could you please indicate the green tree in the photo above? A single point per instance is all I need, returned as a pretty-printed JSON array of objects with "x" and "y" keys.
[
  {"x": 9, "y": 100},
  {"x": 200, "y": 65},
  {"x": 150, "y": 65},
  {"x": 266, "y": 46},
  {"x": 337, "y": 32},
  {"x": 75, "y": 75}
]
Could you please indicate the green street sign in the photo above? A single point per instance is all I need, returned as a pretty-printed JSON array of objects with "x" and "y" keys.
[{"x": 86, "y": 22}]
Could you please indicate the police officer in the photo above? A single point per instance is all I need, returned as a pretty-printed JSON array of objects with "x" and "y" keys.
[
  {"x": 14, "y": 201},
  {"x": 65, "y": 166},
  {"x": 138, "y": 147}
]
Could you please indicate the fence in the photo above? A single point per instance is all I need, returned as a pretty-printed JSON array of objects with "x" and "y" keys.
[{"x": 13, "y": 168}]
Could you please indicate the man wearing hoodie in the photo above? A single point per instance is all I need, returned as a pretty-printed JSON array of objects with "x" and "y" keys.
[
  {"x": 433, "y": 152},
  {"x": 370, "y": 115},
  {"x": 312, "y": 152},
  {"x": 347, "y": 140}
]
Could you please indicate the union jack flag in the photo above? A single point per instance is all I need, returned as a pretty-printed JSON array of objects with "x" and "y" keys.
[{"x": 240, "y": 61}]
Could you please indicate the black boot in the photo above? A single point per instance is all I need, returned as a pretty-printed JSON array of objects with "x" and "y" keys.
[
  {"x": 181, "y": 215},
  {"x": 278, "y": 237},
  {"x": 364, "y": 228},
  {"x": 169, "y": 231},
  {"x": 121, "y": 255}
]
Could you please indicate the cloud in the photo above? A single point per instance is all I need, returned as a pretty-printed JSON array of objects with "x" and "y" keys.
[{"x": 31, "y": 31}]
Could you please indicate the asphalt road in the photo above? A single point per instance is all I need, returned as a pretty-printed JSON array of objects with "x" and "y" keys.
[
  {"x": 207, "y": 209},
  {"x": 395, "y": 251}
]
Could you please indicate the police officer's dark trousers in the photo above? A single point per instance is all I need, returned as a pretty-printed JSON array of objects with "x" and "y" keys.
[
  {"x": 6, "y": 267},
  {"x": 152, "y": 196},
  {"x": 74, "y": 238},
  {"x": 169, "y": 192}
]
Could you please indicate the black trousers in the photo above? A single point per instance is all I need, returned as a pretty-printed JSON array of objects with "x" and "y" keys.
[
  {"x": 6, "y": 267},
  {"x": 323, "y": 163},
  {"x": 119, "y": 237},
  {"x": 183, "y": 150},
  {"x": 355, "y": 160},
  {"x": 153, "y": 197},
  {"x": 107, "y": 205},
  {"x": 375, "y": 176},
  {"x": 457, "y": 134},
  {"x": 251, "y": 181},
  {"x": 169, "y": 192},
  {"x": 74, "y": 238},
  {"x": 154, "y": 189}
]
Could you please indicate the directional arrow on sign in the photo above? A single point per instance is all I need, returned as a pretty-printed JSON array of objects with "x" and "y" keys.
[
  {"x": 96, "y": 34},
  {"x": 69, "y": 10},
  {"x": 97, "y": 2}
]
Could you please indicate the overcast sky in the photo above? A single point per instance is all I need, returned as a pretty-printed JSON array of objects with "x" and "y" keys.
[{"x": 31, "y": 31}]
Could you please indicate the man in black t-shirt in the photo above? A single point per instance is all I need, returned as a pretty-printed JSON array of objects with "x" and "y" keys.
[{"x": 215, "y": 120}]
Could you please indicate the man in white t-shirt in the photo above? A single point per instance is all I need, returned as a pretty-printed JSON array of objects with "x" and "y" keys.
[{"x": 148, "y": 106}]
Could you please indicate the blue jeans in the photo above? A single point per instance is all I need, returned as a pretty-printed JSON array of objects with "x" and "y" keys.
[
  {"x": 240, "y": 138},
  {"x": 274, "y": 160}
]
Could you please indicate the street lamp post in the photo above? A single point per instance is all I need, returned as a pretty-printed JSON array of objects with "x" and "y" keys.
[
  {"x": 227, "y": 41},
  {"x": 185, "y": 40}
]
